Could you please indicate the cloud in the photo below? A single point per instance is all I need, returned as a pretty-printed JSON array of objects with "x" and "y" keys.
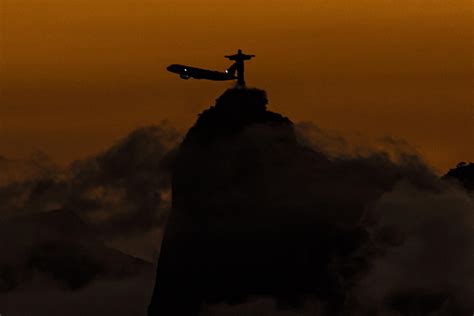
[
  {"x": 64, "y": 221},
  {"x": 426, "y": 263},
  {"x": 127, "y": 188},
  {"x": 124, "y": 189}
]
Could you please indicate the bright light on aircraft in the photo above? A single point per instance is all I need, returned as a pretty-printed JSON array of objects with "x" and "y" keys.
[{"x": 228, "y": 74}]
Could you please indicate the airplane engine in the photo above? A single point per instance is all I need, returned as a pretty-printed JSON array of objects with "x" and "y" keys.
[{"x": 184, "y": 76}]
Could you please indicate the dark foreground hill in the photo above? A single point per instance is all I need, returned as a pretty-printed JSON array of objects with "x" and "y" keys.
[{"x": 256, "y": 213}]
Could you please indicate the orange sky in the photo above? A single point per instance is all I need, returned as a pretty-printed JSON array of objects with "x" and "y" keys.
[{"x": 77, "y": 75}]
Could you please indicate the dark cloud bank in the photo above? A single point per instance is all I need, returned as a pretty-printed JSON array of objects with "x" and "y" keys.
[
  {"x": 268, "y": 218},
  {"x": 66, "y": 231}
]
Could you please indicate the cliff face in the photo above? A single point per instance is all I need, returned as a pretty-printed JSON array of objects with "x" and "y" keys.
[
  {"x": 236, "y": 229},
  {"x": 256, "y": 213}
]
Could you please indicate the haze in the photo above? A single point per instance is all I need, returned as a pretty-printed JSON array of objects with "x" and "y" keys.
[{"x": 78, "y": 75}]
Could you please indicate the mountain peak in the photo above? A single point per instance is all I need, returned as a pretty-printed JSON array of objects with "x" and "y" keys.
[{"x": 234, "y": 110}]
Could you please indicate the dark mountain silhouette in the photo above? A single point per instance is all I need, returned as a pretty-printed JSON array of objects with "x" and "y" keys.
[
  {"x": 61, "y": 246},
  {"x": 257, "y": 213},
  {"x": 464, "y": 173}
]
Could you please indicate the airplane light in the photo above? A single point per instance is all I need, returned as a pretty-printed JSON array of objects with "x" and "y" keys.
[{"x": 186, "y": 72}]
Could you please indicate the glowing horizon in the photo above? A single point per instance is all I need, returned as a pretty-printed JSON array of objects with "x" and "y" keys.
[{"x": 77, "y": 76}]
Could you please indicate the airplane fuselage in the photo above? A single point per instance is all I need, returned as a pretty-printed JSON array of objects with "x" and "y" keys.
[{"x": 186, "y": 72}]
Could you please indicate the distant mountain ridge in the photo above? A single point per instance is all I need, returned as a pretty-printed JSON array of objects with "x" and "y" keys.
[{"x": 60, "y": 245}]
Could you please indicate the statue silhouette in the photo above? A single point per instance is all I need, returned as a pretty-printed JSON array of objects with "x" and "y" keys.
[{"x": 239, "y": 59}]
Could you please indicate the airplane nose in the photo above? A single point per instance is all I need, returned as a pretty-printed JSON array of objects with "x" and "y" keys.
[{"x": 174, "y": 68}]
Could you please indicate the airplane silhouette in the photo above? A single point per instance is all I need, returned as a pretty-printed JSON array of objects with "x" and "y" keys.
[{"x": 186, "y": 72}]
